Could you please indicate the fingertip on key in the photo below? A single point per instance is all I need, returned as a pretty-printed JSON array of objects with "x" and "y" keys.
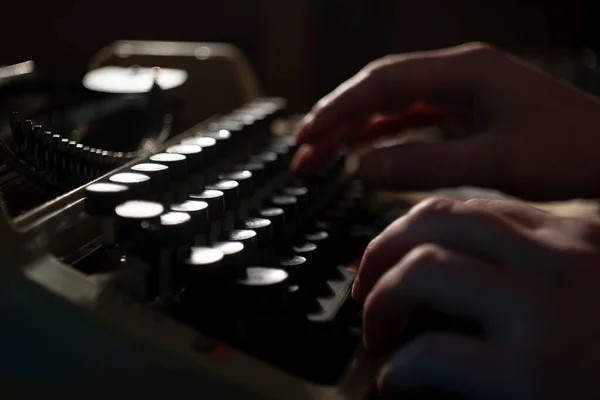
[
  {"x": 310, "y": 160},
  {"x": 301, "y": 159},
  {"x": 302, "y": 130}
]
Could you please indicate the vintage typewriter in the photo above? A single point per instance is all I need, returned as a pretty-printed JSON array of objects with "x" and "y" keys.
[
  {"x": 152, "y": 234},
  {"x": 154, "y": 239}
]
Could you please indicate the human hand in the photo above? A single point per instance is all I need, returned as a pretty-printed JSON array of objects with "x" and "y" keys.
[
  {"x": 523, "y": 132},
  {"x": 529, "y": 278}
]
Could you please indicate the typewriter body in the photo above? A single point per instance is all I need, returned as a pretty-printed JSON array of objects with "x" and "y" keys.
[{"x": 228, "y": 276}]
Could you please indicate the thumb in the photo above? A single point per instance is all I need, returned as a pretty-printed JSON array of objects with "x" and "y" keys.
[
  {"x": 473, "y": 161},
  {"x": 450, "y": 364}
]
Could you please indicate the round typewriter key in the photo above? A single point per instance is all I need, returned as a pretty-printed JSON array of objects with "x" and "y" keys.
[
  {"x": 243, "y": 178},
  {"x": 295, "y": 266},
  {"x": 139, "y": 210},
  {"x": 136, "y": 219},
  {"x": 73, "y": 147},
  {"x": 231, "y": 193},
  {"x": 300, "y": 193},
  {"x": 222, "y": 136},
  {"x": 100, "y": 202},
  {"x": 228, "y": 124},
  {"x": 321, "y": 239},
  {"x": 263, "y": 287},
  {"x": 56, "y": 139},
  {"x": 257, "y": 224},
  {"x": 215, "y": 200},
  {"x": 258, "y": 170},
  {"x": 324, "y": 225},
  {"x": 102, "y": 198},
  {"x": 283, "y": 153},
  {"x": 287, "y": 141},
  {"x": 198, "y": 211},
  {"x": 234, "y": 258},
  {"x": 244, "y": 117},
  {"x": 193, "y": 154},
  {"x": 208, "y": 145},
  {"x": 176, "y": 228},
  {"x": 263, "y": 229},
  {"x": 218, "y": 135},
  {"x": 297, "y": 191},
  {"x": 202, "y": 141},
  {"x": 97, "y": 155},
  {"x": 269, "y": 159},
  {"x": 158, "y": 173},
  {"x": 277, "y": 217},
  {"x": 289, "y": 204},
  {"x": 177, "y": 165},
  {"x": 47, "y": 138},
  {"x": 138, "y": 184},
  {"x": 202, "y": 262},
  {"x": 248, "y": 238},
  {"x": 317, "y": 236},
  {"x": 63, "y": 145},
  {"x": 305, "y": 249},
  {"x": 311, "y": 252}
]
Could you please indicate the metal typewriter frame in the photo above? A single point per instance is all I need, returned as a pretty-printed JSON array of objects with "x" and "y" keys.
[
  {"x": 201, "y": 50},
  {"x": 28, "y": 261}
]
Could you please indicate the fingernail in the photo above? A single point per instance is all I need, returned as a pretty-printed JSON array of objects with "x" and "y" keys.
[
  {"x": 302, "y": 127},
  {"x": 300, "y": 157},
  {"x": 307, "y": 119},
  {"x": 297, "y": 132}
]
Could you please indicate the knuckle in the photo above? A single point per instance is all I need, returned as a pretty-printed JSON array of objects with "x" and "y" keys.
[
  {"x": 378, "y": 72},
  {"x": 480, "y": 202},
  {"x": 478, "y": 47},
  {"x": 380, "y": 63},
  {"x": 420, "y": 265},
  {"x": 433, "y": 205},
  {"x": 480, "y": 54},
  {"x": 426, "y": 254}
]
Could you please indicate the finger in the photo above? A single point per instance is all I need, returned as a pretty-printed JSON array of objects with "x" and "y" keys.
[
  {"x": 452, "y": 224},
  {"x": 310, "y": 159},
  {"x": 425, "y": 166},
  {"x": 459, "y": 366},
  {"x": 396, "y": 82},
  {"x": 382, "y": 125},
  {"x": 356, "y": 133},
  {"x": 433, "y": 278},
  {"x": 515, "y": 211}
]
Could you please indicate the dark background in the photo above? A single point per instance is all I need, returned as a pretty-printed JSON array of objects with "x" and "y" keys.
[{"x": 300, "y": 49}]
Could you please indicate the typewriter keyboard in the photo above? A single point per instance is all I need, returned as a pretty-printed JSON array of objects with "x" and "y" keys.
[{"x": 215, "y": 231}]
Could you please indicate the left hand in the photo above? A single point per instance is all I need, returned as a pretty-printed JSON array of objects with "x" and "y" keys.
[{"x": 531, "y": 279}]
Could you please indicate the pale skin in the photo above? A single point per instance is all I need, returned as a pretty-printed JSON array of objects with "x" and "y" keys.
[{"x": 531, "y": 279}]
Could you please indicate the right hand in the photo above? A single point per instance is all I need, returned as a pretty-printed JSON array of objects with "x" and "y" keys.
[{"x": 526, "y": 133}]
